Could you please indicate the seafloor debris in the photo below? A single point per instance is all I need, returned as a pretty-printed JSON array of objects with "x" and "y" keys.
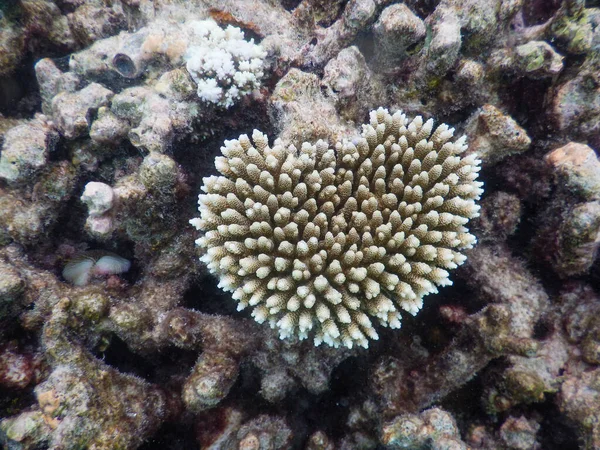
[{"x": 104, "y": 142}]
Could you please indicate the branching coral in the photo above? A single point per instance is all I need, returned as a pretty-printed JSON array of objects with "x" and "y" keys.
[
  {"x": 318, "y": 240},
  {"x": 224, "y": 65}
]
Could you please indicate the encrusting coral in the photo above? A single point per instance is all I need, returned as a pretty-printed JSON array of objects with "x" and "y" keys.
[{"x": 318, "y": 240}]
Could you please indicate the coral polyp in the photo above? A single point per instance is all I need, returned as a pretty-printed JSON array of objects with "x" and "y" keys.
[{"x": 319, "y": 241}]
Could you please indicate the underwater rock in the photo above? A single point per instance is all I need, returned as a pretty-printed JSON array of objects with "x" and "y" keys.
[
  {"x": 319, "y": 441},
  {"x": 494, "y": 136},
  {"x": 499, "y": 216},
  {"x": 224, "y": 344},
  {"x": 442, "y": 51},
  {"x": 210, "y": 381},
  {"x": 17, "y": 368},
  {"x": 26, "y": 149},
  {"x": 94, "y": 20},
  {"x": 217, "y": 429},
  {"x": 571, "y": 29},
  {"x": 577, "y": 239},
  {"x": 300, "y": 112},
  {"x": 108, "y": 129},
  {"x": 12, "y": 286},
  {"x": 358, "y": 15},
  {"x": 520, "y": 433},
  {"x": 577, "y": 169},
  {"x": 12, "y": 45},
  {"x": 285, "y": 365},
  {"x": 569, "y": 233},
  {"x": 575, "y": 108},
  {"x": 264, "y": 432},
  {"x": 355, "y": 88},
  {"x": 28, "y": 219},
  {"x": 397, "y": 29},
  {"x": 535, "y": 60},
  {"x": 153, "y": 120},
  {"x": 433, "y": 428},
  {"x": 503, "y": 327},
  {"x": 27, "y": 430},
  {"x": 32, "y": 27},
  {"x": 98, "y": 197},
  {"x": 176, "y": 84},
  {"x": 71, "y": 111},
  {"x": 84, "y": 400},
  {"x": 159, "y": 173},
  {"x": 51, "y": 80},
  {"x": 579, "y": 399}
]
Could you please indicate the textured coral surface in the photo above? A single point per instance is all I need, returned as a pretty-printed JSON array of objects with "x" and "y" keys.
[
  {"x": 114, "y": 335},
  {"x": 321, "y": 238}
]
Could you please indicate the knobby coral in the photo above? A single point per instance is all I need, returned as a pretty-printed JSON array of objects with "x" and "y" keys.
[{"x": 319, "y": 240}]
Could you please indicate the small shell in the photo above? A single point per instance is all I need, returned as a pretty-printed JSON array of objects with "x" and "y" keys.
[
  {"x": 111, "y": 265},
  {"x": 77, "y": 271},
  {"x": 82, "y": 267}
]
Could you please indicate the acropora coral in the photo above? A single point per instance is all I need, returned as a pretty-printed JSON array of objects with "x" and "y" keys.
[{"x": 318, "y": 240}]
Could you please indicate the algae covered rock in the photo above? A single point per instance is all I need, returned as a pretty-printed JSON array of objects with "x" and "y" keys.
[{"x": 26, "y": 149}]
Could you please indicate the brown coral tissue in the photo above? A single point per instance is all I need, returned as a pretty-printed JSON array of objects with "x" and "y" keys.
[{"x": 319, "y": 241}]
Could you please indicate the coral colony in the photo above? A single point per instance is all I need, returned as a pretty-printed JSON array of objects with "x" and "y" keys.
[
  {"x": 223, "y": 65},
  {"x": 117, "y": 332},
  {"x": 316, "y": 241}
]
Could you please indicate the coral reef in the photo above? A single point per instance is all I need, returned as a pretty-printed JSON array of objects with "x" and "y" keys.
[{"x": 114, "y": 335}]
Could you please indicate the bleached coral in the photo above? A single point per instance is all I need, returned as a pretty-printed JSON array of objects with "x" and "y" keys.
[
  {"x": 222, "y": 63},
  {"x": 319, "y": 240}
]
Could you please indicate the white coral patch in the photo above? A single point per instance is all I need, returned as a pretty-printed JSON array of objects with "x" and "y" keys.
[{"x": 223, "y": 64}]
